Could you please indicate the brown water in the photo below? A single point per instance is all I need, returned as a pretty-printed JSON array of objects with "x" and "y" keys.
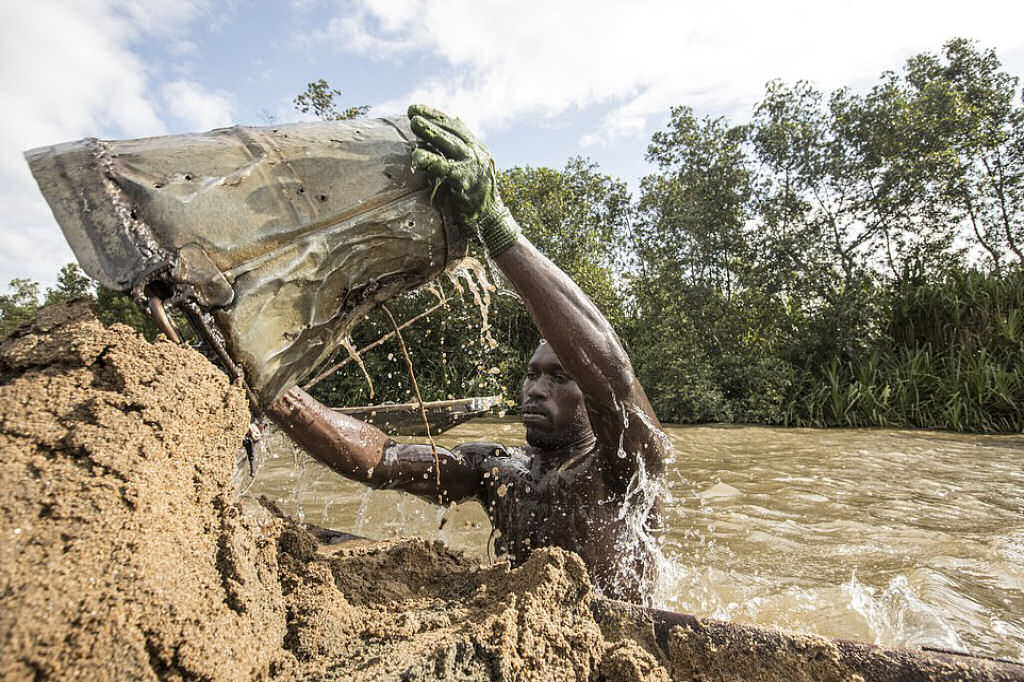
[{"x": 906, "y": 538}]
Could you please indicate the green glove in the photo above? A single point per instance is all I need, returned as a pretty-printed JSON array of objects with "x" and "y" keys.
[{"x": 452, "y": 155}]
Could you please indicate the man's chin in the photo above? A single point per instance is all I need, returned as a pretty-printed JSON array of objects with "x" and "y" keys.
[{"x": 544, "y": 440}]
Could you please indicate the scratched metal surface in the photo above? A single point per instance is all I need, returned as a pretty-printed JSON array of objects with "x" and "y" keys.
[{"x": 286, "y": 234}]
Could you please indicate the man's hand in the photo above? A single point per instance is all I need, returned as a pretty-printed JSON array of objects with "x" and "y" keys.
[{"x": 453, "y": 156}]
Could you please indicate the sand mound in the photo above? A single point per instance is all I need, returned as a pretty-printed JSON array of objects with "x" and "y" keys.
[{"x": 124, "y": 555}]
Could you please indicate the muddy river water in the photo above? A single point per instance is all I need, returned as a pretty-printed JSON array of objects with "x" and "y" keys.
[{"x": 906, "y": 538}]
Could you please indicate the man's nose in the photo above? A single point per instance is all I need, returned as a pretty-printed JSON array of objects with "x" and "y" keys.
[{"x": 537, "y": 388}]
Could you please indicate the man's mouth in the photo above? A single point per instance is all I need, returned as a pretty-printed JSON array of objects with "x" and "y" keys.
[{"x": 531, "y": 414}]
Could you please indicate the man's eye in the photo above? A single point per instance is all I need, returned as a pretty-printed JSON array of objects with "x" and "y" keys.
[
  {"x": 532, "y": 376},
  {"x": 561, "y": 378}
]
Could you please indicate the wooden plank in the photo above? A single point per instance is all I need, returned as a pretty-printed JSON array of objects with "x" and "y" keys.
[
  {"x": 712, "y": 650},
  {"x": 405, "y": 419}
]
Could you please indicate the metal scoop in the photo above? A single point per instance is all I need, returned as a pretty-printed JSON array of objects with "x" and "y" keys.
[{"x": 272, "y": 241}]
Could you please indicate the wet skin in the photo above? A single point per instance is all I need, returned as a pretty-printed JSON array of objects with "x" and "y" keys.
[
  {"x": 591, "y": 430},
  {"x": 565, "y": 488}
]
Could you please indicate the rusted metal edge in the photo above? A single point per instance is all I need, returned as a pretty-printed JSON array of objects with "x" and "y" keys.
[{"x": 870, "y": 661}]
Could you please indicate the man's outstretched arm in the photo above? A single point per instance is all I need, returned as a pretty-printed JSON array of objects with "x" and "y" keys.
[
  {"x": 581, "y": 337},
  {"x": 364, "y": 453}
]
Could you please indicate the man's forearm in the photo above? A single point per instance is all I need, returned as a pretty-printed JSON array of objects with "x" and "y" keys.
[
  {"x": 578, "y": 332},
  {"x": 364, "y": 453},
  {"x": 349, "y": 446}
]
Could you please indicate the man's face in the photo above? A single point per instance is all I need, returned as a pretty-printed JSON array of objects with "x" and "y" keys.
[{"x": 553, "y": 410}]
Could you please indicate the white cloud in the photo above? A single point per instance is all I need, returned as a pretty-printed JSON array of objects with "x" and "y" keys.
[
  {"x": 69, "y": 72},
  {"x": 195, "y": 107},
  {"x": 505, "y": 61},
  {"x": 71, "y": 68}
]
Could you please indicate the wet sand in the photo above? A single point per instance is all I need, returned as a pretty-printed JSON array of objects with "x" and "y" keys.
[{"x": 125, "y": 556}]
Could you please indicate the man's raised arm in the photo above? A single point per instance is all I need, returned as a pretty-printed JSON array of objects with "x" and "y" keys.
[{"x": 581, "y": 337}]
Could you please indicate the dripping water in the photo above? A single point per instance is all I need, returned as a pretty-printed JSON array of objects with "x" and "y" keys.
[
  {"x": 472, "y": 273},
  {"x": 346, "y": 343},
  {"x": 364, "y": 503}
]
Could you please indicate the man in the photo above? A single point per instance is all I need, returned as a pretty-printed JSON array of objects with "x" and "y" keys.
[{"x": 588, "y": 480}]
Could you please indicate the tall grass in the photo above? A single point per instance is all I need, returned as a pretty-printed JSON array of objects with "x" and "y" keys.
[{"x": 951, "y": 357}]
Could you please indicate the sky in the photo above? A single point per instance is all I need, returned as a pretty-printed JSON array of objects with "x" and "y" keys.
[{"x": 539, "y": 81}]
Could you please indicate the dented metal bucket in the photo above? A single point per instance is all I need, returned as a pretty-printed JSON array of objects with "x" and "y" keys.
[{"x": 273, "y": 241}]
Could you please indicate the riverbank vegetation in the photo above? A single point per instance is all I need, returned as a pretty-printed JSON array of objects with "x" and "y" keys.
[{"x": 839, "y": 259}]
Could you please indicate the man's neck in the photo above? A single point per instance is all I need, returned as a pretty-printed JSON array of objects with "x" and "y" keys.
[{"x": 566, "y": 456}]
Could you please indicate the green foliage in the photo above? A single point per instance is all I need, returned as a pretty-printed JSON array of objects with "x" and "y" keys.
[
  {"x": 71, "y": 283},
  {"x": 113, "y": 307},
  {"x": 952, "y": 358},
  {"x": 806, "y": 267},
  {"x": 842, "y": 259},
  {"x": 692, "y": 212},
  {"x": 19, "y": 305},
  {"x": 319, "y": 98}
]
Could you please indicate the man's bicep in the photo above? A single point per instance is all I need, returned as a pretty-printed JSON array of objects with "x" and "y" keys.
[
  {"x": 630, "y": 432},
  {"x": 414, "y": 469}
]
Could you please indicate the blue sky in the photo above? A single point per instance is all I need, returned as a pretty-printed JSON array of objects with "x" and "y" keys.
[{"x": 539, "y": 81}]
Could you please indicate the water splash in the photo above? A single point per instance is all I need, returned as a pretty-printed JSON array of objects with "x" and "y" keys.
[
  {"x": 364, "y": 504},
  {"x": 325, "y": 512},
  {"x": 898, "y": 616},
  {"x": 642, "y": 514},
  {"x": 300, "y": 463}
]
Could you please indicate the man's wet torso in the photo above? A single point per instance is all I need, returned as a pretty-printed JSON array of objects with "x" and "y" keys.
[{"x": 536, "y": 502}]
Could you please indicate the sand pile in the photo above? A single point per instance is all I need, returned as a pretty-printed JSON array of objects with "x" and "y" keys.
[{"x": 124, "y": 556}]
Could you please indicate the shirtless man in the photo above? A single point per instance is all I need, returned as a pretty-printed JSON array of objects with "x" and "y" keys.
[{"x": 594, "y": 440}]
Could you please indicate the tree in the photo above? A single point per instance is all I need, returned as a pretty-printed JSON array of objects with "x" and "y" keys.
[
  {"x": 803, "y": 238},
  {"x": 71, "y": 283},
  {"x": 319, "y": 99},
  {"x": 19, "y": 305},
  {"x": 693, "y": 211},
  {"x": 115, "y": 307},
  {"x": 968, "y": 105},
  {"x": 704, "y": 332}
]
